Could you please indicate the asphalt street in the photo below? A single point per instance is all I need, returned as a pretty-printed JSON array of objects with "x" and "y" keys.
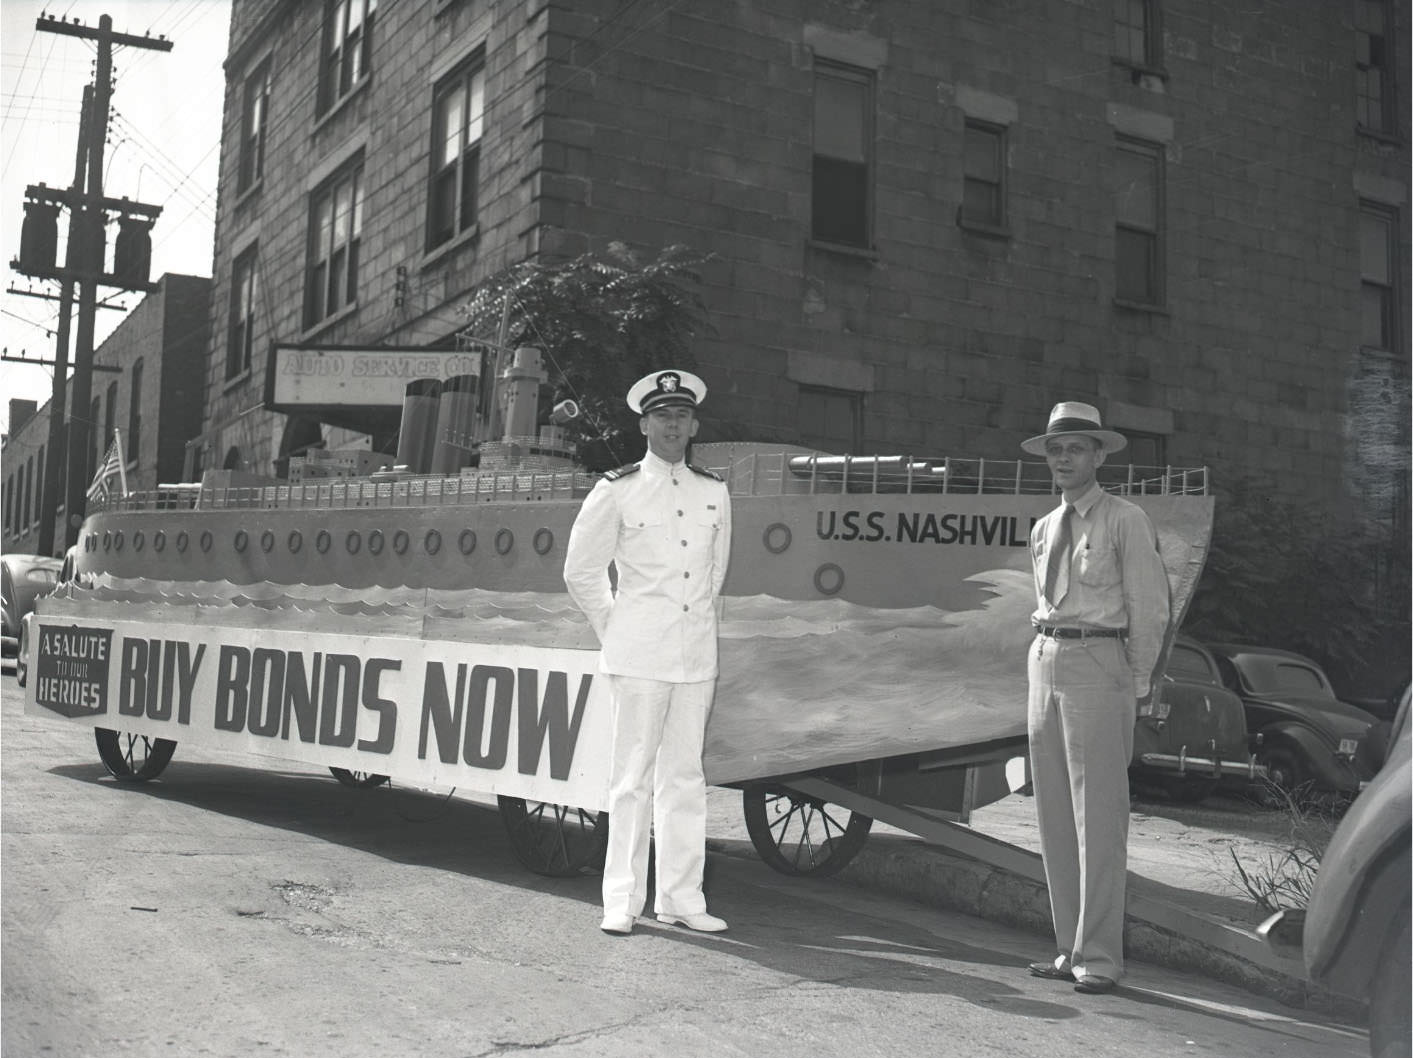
[{"x": 238, "y": 907}]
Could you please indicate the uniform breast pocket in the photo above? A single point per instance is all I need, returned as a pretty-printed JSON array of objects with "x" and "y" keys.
[
  {"x": 1099, "y": 566},
  {"x": 708, "y": 522},
  {"x": 642, "y": 524}
]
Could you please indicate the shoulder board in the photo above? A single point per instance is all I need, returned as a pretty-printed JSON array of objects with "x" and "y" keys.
[
  {"x": 704, "y": 473},
  {"x": 620, "y": 472}
]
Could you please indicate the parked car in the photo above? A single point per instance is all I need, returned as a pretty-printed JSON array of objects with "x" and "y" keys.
[
  {"x": 23, "y": 578},
  {"x": 1308, "y": 740},
  {"x": 1194, "y": 731},
  {"x": 1354, "y": 933}
]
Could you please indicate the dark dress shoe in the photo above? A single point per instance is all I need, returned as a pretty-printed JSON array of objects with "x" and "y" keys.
[
  {"x": 1094, "y": 985},
  {"x": 1050, "y": 970}
]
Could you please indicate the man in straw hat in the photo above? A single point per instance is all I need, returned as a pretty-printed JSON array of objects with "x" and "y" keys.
[
  {"x": 1101, "y": 614},
  {"x": 666, "y": 526}
]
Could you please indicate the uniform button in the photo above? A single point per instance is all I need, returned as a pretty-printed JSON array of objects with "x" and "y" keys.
[
  {"x": 684, "y": 543},
  {"x": 685, "y": 576},
  {"x": 674, "y": 482},
  {"x": 679, "y": 514},
  {"x": 684, "y": 608}
]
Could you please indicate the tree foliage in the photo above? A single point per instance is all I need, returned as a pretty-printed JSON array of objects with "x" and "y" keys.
[
  {"x": 1289, "y": 573},
  {"x": 602, "y": 321}
]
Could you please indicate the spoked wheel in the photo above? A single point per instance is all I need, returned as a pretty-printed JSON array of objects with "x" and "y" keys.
[
  {"x": 801, "y": 835},
  {"x": 132, "y": 758},
  {"x": 361, "y": 780},
  {"x": 560, "y": 841},
  {"x": 1285, "y": 783}
]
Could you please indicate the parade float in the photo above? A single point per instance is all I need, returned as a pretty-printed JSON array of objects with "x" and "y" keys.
[{"x": 411, "y": 624}]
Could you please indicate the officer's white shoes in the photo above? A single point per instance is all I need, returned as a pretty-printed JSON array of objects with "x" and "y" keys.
[
  {"x": 701, "y": 922},
  {"x": 620, "y": 925}
]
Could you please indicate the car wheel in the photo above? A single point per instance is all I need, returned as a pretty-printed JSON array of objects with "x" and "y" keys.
[
  {"x": 1390, "y": 1010},
  {"x": 1285, "y": 777}
]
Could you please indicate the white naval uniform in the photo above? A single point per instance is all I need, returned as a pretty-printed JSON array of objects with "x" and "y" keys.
[{"x": 667, "y": 529}]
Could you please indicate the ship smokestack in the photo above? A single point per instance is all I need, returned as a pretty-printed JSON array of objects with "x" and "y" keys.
[
  {"x": 521, "y": 396},
  {"x": 456, "y": 423},
  {"x": 417, "y": 437}
]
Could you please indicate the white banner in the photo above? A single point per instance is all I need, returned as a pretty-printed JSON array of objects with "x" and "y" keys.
[
  {"x": 528, "y": 722},
  {"x": 360, "y": 377}
]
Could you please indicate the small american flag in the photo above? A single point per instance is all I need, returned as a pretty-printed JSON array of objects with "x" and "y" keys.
[{"x": 110, "y": 468}]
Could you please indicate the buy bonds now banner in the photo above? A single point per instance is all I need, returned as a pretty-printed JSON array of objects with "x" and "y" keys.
[{"x": 519, "y": 721}]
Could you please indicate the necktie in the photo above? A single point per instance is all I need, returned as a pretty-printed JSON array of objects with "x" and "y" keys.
[{"x": 1057, "y": 560}]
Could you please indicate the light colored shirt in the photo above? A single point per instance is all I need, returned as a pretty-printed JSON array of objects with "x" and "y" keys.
[
  {"x": 667, "y": 530},
  {"x": 1116, "y": 577}
]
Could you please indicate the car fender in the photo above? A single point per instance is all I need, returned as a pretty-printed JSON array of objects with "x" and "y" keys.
[
  {"x": 1328, "y": 770},
  {"x": 1364, "y": 880}
]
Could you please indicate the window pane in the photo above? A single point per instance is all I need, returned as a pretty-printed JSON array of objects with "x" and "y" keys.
[
  {"x": 983, "y": 155},
  {"x": 839, "y": 123},
  {"x": 981, "y": 202},
  {"x": 477, "y": 108},
  {"x": 840, "y": 198},
  {"x": 1376, "y": 317},
  {"x": 1134, "y": 257},
  {"x": 1374, "y": 232},
  {"x": 1137, "y": 203}
]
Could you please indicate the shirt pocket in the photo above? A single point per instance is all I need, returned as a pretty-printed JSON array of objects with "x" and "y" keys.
[{"x": 1099, "y": 567}]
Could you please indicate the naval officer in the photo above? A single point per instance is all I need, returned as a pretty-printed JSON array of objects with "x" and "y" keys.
[
  {"x": 666, "y": 527},
  {"x": 1101, "y": 613}
]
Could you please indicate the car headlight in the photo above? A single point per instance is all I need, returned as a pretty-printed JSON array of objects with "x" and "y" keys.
[{"x": 1348, "y": 747}]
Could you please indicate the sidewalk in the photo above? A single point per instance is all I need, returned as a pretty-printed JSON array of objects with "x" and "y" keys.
[{"x": 1186, "y": 907}]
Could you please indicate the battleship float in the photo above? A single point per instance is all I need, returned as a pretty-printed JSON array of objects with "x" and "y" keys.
[{"x": 415, "y": 624}]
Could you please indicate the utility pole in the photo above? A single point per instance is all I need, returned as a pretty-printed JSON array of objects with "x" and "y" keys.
[{"x": 84, "y": 266}]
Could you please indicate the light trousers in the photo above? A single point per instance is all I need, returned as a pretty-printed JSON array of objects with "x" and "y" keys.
[
  {"x": 656, "y": 784},
  {"x": 1081, "y": 715}
]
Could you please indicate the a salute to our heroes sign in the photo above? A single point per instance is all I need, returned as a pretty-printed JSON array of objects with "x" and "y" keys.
[{"x": 518, "y": 721}]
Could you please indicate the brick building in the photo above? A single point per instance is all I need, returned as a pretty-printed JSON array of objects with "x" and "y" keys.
[
  {"x": 151, "y": 392},
  {"x": 930, "y": 219}
]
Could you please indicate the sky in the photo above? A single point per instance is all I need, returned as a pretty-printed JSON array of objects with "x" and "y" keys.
[{"x": 163, "y": 149}]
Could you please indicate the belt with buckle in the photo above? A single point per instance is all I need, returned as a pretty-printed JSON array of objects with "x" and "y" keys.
[{"x": 1081, "y": 633}]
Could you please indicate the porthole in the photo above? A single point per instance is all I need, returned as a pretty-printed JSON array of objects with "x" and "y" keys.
[
  {"x": 207, "y": 540},
  {"x": 322, "y": 540},
  {"x": 352, "y": 542},
  {"x": 137, "y": 540},
  {"x": 432, "y": 542},
  {"x": 400, "y": 541},
  {"x": 467, "y": 541},
  {"x": 544, "y": 540},
  {"x": 295, "y": 541},
  {"x": 159, "y": 540},
  {"x": 375, "y": 542},
  {"x": 777, "y": 537},
  {"x": 182, "y": 541},
  {"x": 505, "y": 540},
  {"x": 241, "y": 541},
  {"x": 118, "y": 540},
  {"x": 829, "y": 579},
  {"x": 267, "y": 541},
  {"x": 107, "y": 541}
]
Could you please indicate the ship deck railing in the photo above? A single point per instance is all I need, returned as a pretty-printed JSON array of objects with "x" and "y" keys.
[{"x": 758, "y": 474}]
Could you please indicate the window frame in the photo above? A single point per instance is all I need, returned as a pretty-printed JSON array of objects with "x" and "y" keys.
[
  {"x": 999, "y": 222},
  {"x": 134, "y": 410},
  {"x": 1156, "y": 296},
  {"x": 254, "y": 123},
  {"x": 346, "y": 51},
  {"x": 1151, "y": 30},
  {"x": 240, "y": 327},
  {"x": 1391, "y": 321},
  {"x": 463, "y": 171},
  {"x": 331, "y": 278},
  {"x": 854, "y": 399},
  {"x": 866, "y": 79},
  {"x": 1385, "y": 69}
]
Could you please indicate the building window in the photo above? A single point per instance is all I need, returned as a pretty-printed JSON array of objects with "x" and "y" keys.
[
  {"x": 830, "y": 420},
  {"x": 335, "y": 225},
  {"x": 457, "y": 112},
  {"x": 28, "y": 471},
  {"x": 1378, "y": 327},
  {"x": 1373, "y": 66},
  {"x": 1138, "y": 33},
  {"x": 1138, "y": 230},
  {"x": 244, "y": 289},
  {"x": 96, "y": 441},
  {"x": 254, "y": 115},
  {"x": 134, "y": 412},
  {"x": 110, "y": 422},
  {"x": 843, "y": 154},
  {"x": 9, "y": 503},
  {"x": 983, "y": 183},
  {"x": 348, "y": 49},
  {"x": 39, "y": 483}
]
